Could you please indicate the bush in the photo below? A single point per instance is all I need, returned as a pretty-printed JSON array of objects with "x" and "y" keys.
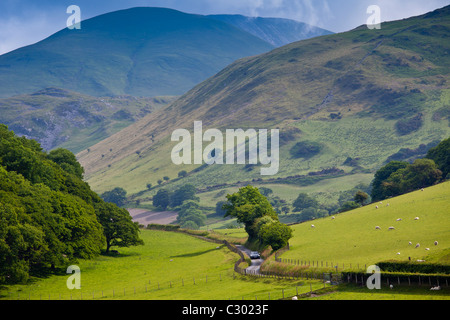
[{"x": 305, "y": 149}]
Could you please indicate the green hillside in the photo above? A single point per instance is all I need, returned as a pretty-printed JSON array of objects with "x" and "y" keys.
[
  {"x": 61, "y": 118},
  {"x": 351, "y": 238},
  {"x": 359, "y": 96},
  {"x": 138, "y": 51}
]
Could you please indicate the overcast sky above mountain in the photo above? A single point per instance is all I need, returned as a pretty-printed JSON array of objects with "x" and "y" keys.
[{"x": 24, "y": 22}]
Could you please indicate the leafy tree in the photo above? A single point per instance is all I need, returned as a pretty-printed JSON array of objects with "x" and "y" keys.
[
  {"x": 304, "y": 201},
  {"x": 161, "y": 199},
  {"x": 306, "y": 149},
  {"x": 190, "y": 216},
  {"x": 275, "y": 234},
  {"x": 247, "y": 205},
  {"x": 119, "y": 229},
  {"x": 441, "y": 156},
  {"x": 118, "y": 196},
  {"x": 349, "y": 205},
  {"x": 67, "y": 161},
  {"x": 149, "y": 186},
  {"x": 183, "y": 193},
  {"x": 182, "y": 173},
  {"x": 383, "y": 174}
]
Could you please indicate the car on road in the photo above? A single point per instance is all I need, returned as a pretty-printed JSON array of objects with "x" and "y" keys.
[{"x": 254, "y": 255}]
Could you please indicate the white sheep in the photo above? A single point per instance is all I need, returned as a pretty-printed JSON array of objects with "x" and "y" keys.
[
  {"x": 416, "y": 218},
  {"x": 436, "y": 288},
  {"x": 387, "y": 205},
  {"x": 417, "y": 245},
  {"x": 427, "y": 249},
  {"x": 313, "y": 226},
  {"x": 377, "y": 228},
  {"x": 435, "y": 243},
  {"x": 333, "y": 217},
  {"x": 294, "y": 298},
  {"x": 391, "y": 228},
  {"x": 376, "y": 207},
  {"x": 398, "y": 252},
  {"x": 399, "y": 219},
  {"x": 410, "y": 242},
  {"x": 391, "y": 286}
]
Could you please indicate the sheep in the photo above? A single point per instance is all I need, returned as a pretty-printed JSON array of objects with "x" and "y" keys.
[
  {"x": 399, "y": 219},
  {"x": 416, "y": 218},
  {"x": 391, "y": 286},
  {"x": 398, "y": 252},
  {"x": 294, "y": 298},
  {"x": 427, "y": 249},
  {"x": 377, "y": 228},
  {"x": 333, "y": 217},
  {"x": 420, "y": 260},
  {"x": 417, "y": 245},
  {"x": 410, "y": 243},
  {"x": 391, "y": 228},
  {"x": 313, "y": 226},
  {"x": 376, "y": 207},
  {"x": 436, "y": 288},
  {"x": 387, "y": 205},
  {"x": 435, "y": 243}
]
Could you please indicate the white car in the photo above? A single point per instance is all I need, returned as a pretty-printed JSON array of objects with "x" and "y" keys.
[{"x": 254, "y": 255}]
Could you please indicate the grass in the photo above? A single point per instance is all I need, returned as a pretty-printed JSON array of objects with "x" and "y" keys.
[{"x": 147, "y": 273}]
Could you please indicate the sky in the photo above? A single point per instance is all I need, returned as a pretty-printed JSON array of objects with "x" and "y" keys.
[{"x": 24, "y": 22}]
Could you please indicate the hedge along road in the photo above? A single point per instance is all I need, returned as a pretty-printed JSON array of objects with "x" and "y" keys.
[{"x": 254, "y": 268}]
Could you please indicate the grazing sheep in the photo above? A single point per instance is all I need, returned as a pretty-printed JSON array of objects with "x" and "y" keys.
[
  {"x": 381, "y": 202},
  {"x": 410, "y": 242},
  {"x": 417, "y": 245},
  {"x": 376, "y": 207},
  {"x": 377, "y": 228},
  {"x": 420, "y": 260},
  {"x": 399, "y": 219},
  {"x": 436, "y": 288},
  {"x": 294, "y": 298},
  {"x": 416, "y": 218},
  {"x": 333, "y": 218},
  {"x": 435, "y": 243},
  {"x": 427, "y": 248},
  {"x": 421, "y": 189},
  {"x": 391, "y": 286},
  {"x": 313, "y": 226},
  {"x": 387, "y": 205},
  {"x": 398, "y": 252},
  {"x": 391, "y": 228}
]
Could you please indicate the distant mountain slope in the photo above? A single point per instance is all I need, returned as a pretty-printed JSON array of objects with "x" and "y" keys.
[
  {"x": 62, "y": 118},
  {"x": 276, "y": 31},
  {"x": 363, "y": 94},
  {"x": 138, "y": 51}
]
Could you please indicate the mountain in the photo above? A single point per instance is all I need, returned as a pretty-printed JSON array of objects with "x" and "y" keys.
[
  {"x": 276, "y": 31},
  {"x": 62, "y": 118},
  {"x": 139, "y": 51},
  {"x": 356, "y": 97}
]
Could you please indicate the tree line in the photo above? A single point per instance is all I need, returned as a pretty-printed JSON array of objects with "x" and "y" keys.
[{"x": 49, "y": 216}]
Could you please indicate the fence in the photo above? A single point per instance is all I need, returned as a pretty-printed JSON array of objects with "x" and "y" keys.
[{"x": 153, "y": 288}]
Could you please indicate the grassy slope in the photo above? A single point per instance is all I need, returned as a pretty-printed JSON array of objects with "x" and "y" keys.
[
  {"x": 351, "y": 237},
  {"x": 373, "y": 87},
  {"x": 61, "y": 118}
]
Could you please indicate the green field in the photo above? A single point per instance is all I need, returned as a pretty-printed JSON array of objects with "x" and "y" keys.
[
  {"x": 352, "y": 238},
  {"x": 166, "y": 268}
]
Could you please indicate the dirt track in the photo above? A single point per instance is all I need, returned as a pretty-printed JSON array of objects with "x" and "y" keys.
[{"x": 146, "y": 217}]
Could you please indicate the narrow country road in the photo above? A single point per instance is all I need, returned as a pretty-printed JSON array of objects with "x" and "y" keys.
[{"x": 256, "y": 263}]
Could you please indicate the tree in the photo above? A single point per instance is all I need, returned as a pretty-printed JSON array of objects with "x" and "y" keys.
[
  {"x": 247, "y": 205},
  {"x": 441, "y": 156},
  {"x": 149, "y": 186},
  {"x": 182, "y": 174},
  {"x": 190, "y": 216},
  {"x": 118, "y": 227},
  {"x": 304, "y": 201},
  {"x": 361, "y": 197},
  {"x": 349, "y": 205},
  {"x": 67, "y": 161},
  {"x": 383, "y": 174},
  {"x": 161, "y": 199},
  {"x": 275, "y": 234},
  {"x": 118, "y": 196},
  {"x": 183, "y": 193}
]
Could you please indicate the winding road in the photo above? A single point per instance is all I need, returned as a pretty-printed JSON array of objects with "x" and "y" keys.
[{"x": 254, "y": 268}]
